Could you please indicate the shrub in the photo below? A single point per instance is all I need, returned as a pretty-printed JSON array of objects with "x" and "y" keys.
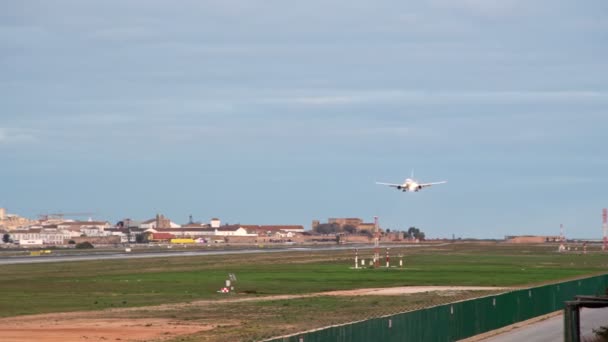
[{"x": 84, "y": 245}]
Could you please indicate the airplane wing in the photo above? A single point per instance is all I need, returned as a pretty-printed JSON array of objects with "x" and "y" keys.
[
  {"x": 424, "y": 185},
  {"x": 398, "y": 186}
]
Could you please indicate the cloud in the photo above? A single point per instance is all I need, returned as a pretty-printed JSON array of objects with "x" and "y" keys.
[
  {"x": 483, "y": 7},
  {"x": 345, "y": 97},
  {"x": 555, "y": 180},
  {"x": 338, "y": 97},
  {"x": 12, "y": 136}
]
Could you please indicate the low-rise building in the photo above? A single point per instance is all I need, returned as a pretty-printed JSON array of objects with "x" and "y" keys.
[
  {"x": 228, "y": 230},
  {"x": 12, "y": 221},
  {"x": 85, "y": 228},
  {"x": 48, "y": 235},
  {"x": 531, "y": 239},
  {"x": 160, "y": 221},
  {"x": 343, "y": 222},
  {"x": 274, "y": 230},
  {"x": 232, "y": 230},
  {"x": 195, "y": 225},
  {"x": 182, "y": 232},
  {"x": 126, "y": 234},
  {"x": 161, "y": 237}
]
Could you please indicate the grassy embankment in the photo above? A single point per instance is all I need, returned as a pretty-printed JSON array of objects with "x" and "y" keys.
[{"x": 96, "y": 285}]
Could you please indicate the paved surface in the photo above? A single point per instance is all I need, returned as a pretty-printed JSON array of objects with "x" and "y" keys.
[
  {"x": 122, "y": 255},
  {"x": 43, "y": 259},
  {"x": 552, "y": 329}
]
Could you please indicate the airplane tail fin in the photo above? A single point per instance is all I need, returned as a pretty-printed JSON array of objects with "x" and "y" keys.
[{"x": 412, "y": 176}]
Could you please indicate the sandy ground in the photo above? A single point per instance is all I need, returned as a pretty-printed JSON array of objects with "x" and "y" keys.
[
  {"x": 90, "y": 326},
  {"x": 74, "y": 327}
]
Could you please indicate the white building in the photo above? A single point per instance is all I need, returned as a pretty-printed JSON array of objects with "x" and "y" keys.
[
  {"x": 275, "y": 230},
  {"x": 49, "y": 236},
  {"x": 182, "y": 232},
  {"x": 124, "y": 238},
  {"x": 79, "y": 225},
  {"x": 235, "y": 230},
  {"x": 87, "y": 228},
  {"x": 94, "y": 231}
]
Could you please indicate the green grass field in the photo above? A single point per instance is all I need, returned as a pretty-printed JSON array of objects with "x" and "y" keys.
[{"x": 97, "y": 285}]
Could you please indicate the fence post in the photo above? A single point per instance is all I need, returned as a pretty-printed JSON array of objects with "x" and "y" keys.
[{"x": 572, "y": 328}]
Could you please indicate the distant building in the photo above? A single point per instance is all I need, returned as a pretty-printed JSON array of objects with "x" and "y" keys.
[
  {"x": 182, "y": 232},
  {"x": 48, "y": 235},
  {"x": 160, "y": 221},
  {"x": 87, "y": 228},
  {"x": 128, "y": 223},
  {"x": 126, "y": 233},
  {"x": 161, "y": 237},
  {"x": 101, "y": 225},
  {"x": 350, "y": 221},
  {"x": 12, "y": 221},
  {"x": 531, "y": 239},
  {"x": 231, "y": 230},
  {"x": 274, "y": 230},
  {"x": 366, "y": 226},
  {"x": 195, "y": 225},
  {"x": 347, "y": 221}
]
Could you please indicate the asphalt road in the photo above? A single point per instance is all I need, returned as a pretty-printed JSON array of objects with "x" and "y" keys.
[
  {"x": 552, "y": 329},
  {"x": 122, "y": 255}
]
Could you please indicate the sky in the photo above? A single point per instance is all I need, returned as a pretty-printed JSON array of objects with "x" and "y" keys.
[{"x": 282, "y": 112}]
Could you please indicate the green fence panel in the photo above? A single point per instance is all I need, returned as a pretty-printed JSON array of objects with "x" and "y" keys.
[{"x": 459, "y": 320}]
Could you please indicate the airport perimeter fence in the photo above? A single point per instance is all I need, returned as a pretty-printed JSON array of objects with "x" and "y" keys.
[{"x": 459, "y": 320}]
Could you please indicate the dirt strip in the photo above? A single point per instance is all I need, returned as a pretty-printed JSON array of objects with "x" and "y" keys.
[{"x": 96, "y": 326}]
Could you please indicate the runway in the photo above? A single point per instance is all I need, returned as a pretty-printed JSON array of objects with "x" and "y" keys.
[{"x": 140, "y": 255}]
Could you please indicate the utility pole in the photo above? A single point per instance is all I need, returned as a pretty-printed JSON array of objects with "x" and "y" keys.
[
  {"x": 605, "y": 227},
  {"x": 376, "y": 242}
]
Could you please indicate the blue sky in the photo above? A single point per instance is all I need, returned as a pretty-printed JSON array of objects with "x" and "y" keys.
[{"x": 277, "y": 112}]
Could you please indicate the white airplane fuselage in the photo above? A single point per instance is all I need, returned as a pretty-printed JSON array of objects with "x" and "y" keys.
[{"x": 409, "y": 185}]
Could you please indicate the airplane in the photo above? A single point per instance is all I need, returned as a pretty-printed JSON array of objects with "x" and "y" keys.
[{"x": 411, "y": 184}]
